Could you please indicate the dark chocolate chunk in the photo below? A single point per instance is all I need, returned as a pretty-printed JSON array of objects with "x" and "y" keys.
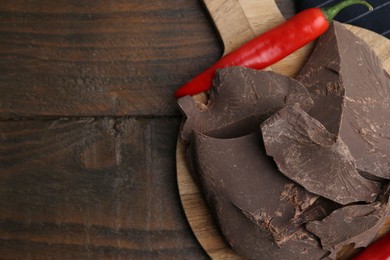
[
  {"x": 351, "y": 225},
  {"x": 351, "y": 94},
  {"x": 254, "y": 204},
  {"x": 313, "y": 157},
  {"x": 239, "y": 101},
  {"x": 251, "y": 241}
]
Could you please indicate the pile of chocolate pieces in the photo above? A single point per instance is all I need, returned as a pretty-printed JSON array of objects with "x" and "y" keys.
[{"x": 296, "y": 168}]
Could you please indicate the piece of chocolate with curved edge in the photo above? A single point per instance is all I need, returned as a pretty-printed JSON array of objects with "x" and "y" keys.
[
  {"x": 351, "y": 94},
  {"x": 240, "y": 100},
  {"x": 257, "y": 208},
  {"x": 355, "y": 224},
  {"x": 310, "y": 155}
]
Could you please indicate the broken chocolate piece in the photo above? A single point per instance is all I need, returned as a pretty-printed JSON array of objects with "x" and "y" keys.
[
  {"x": 239, "y": 101},
  {"x": 355, "y": 224},
  {"x": 313, "y": 157},
  {"x": 351, "y": 94},
  {"x": 254, "y": 204}
]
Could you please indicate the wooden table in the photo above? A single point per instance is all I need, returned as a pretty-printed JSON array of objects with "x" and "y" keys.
[{"x": 88, "y": 126}]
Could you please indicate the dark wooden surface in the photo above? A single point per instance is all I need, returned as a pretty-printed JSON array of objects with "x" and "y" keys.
[{"x": 88, "y": 126}]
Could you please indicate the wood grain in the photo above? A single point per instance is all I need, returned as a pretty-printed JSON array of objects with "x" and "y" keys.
[
  {"x": 195, "y": 207},
  {"x": 88, "y": 126},
  {"x": 100, "y": 58},
  {"x": 91, "y": 189}
]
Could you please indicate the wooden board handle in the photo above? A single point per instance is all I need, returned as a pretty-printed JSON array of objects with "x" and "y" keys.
[
  {"x": 239, "y": 21},
  {"x": 230, "y": 20}
]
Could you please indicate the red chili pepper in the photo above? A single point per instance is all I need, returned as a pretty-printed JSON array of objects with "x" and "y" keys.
[
  {"x": 379, "y": 250},
  {"x": 273, "y": 45}
]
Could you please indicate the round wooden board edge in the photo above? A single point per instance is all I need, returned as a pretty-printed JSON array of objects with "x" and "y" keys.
[
  {"x": 195, "y": 207},
  {"x": 197, "y": 212}
]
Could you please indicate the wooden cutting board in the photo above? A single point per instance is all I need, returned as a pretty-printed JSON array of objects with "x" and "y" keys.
[{"x": 238, "y": 21}]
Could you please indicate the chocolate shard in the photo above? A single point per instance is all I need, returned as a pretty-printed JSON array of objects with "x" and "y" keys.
[
  {"x": 351, "y": 94},
  {"x": 253, "y": 203},
  {"x": 355, "y": 225},
  {"x": 239, "y": 101},
  {"x": 313, "y": 157}
]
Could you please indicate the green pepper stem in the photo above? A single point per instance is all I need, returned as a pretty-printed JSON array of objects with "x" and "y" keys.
[{"x": 331, "y": 11}]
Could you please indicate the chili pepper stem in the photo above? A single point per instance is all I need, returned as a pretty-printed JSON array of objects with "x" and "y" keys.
[{"x": 332, "y": 11}]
